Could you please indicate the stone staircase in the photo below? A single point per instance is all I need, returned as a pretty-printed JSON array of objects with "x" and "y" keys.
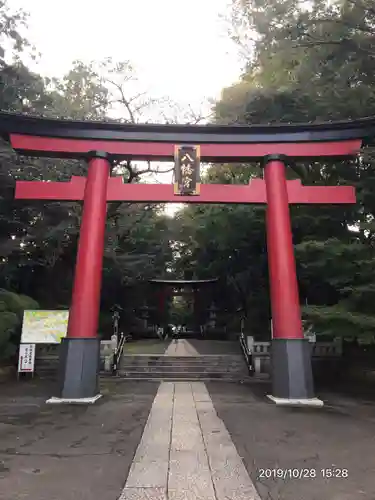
[
  {"x": 231, "y": 367},
  {"x": 47, "y": 362}
]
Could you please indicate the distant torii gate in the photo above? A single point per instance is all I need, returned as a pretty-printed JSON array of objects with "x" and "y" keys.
[
  {"x": 194, "y": 286},
  {"x": 99, "y": 143}
]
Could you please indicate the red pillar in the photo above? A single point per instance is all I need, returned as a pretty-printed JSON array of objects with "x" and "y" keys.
[
  {"x": 162, "y": 299},
  {"x": 292, "y": 380},
  {"x": 84, "y": 311},
  {"x": 286, "y": 311}
]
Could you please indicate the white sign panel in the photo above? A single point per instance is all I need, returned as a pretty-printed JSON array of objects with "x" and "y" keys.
[
  {"x": 26, "y": 358},
  {"x": 44, "y": 327}
]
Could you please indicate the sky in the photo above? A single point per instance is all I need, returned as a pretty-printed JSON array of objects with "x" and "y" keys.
[{"x": 180, "y": 49}]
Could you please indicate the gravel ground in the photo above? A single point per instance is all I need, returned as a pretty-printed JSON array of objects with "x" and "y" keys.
[
  {"x": 339, "y": 436},
  {"x": 69, "y": 452}
]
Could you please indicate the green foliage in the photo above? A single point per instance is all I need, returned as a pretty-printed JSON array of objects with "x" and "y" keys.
[
  {"x": 16, "y": 303},
  {"x": 9, "y": 322},
  {"x": 10, "y": 24},
  {"x": 227, "y": 242},
  {"x": 12, "y": 307},
  {"x": 38, "y": 241},
  {"x": 80, "y": 95},
  {"x": 302, "y": 64},
  {"x": 179, "y": 312},
  {"x": 339, "y": 322},
  {"x": 320, "y": 57}
]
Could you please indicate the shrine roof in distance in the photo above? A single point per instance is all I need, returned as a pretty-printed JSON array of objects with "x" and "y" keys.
[{"x": 36, "y": 136}]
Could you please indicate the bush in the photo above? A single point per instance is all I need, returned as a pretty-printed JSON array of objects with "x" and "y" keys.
[
  {"x": 17, "y": 303},
  {"x": 9, "y": 324},
  {"x": 12, "y": 307}
]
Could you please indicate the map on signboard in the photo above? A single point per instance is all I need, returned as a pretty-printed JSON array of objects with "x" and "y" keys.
[{"x": 44, "y": 327}]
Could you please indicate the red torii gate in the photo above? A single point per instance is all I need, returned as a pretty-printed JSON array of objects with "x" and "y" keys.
[
  {"x": 99, "y": 143},
  {"x": 193, "y": 284}
]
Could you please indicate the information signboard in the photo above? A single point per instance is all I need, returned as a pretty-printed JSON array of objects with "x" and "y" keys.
[
  {"x": 26, "y": 360},
  {"x": 44, "y": 327}
]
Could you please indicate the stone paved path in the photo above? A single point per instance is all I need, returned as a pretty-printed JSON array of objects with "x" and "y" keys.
[
  {"x": 86, "y": 453},
  {"x": 181, "y": 347},
  {"x": 186, "y": 452}
]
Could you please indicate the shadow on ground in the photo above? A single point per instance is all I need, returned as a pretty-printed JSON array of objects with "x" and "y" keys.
[{"x": 69, "y": 452}]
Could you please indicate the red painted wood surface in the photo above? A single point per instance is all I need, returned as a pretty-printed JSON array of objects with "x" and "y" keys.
[
  {"x": 84, "y": 310},
  {"x": 286, "y": 311},
  {"x": 74, "y": 148},
  {"x": 253, "y": 193}
]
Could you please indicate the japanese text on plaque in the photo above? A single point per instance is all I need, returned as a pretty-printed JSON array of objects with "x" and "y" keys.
[{"x": 187, "y": 170}]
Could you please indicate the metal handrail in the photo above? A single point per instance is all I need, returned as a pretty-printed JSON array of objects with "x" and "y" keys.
[
  {"x": 246, "y": 353},
  {"x": 118, "y": 353}
]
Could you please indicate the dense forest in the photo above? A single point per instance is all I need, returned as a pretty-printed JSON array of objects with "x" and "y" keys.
[{"x": 303, "y": 62}]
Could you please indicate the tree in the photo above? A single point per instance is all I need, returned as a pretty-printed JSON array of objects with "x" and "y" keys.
[
  {"x": 228, "y": 243},
  {"x": 323, "y": 52},
  {"x": 38, "y": 242},
  {"x": 11, "y": 39},
  {"x": 299, "y": 69},
  {"x": 12, "y": 307}
]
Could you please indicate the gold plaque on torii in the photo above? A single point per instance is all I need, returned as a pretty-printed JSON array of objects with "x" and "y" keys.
[{"x": 187, "y": 170}]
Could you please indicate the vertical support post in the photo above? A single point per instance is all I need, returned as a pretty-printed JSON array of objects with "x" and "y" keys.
[
  {"x": 292, "y": 379},
  {"x": 163, "y": 309},
  {"x": 162, "y": 296},
  {"x": 80, "y": 353},
  {"x": 195, "y": 309}
]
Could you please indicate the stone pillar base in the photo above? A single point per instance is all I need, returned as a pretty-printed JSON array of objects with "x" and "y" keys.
[
  {"x": 291, "y": 370},
  {"x": 296, "y": 402},
  {"x": 79, "y": 401},
  {"x": 78, "y": 370}
]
